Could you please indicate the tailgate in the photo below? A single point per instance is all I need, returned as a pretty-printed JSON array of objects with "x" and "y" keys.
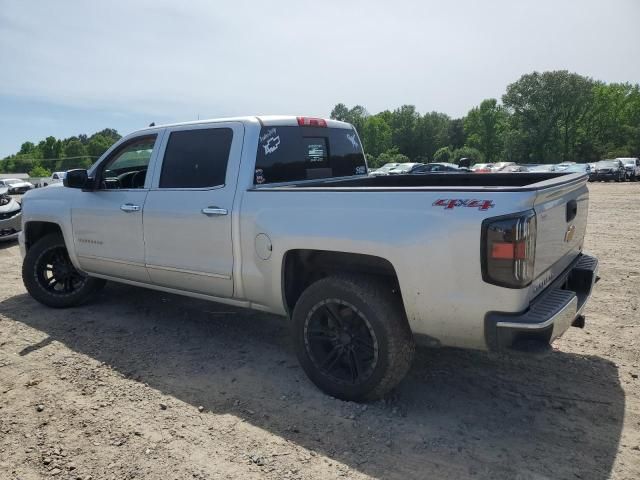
[{"x": 561, "y": 214}]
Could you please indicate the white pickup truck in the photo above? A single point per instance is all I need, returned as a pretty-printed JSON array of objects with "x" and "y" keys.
[{"x": 279, "y": 214}]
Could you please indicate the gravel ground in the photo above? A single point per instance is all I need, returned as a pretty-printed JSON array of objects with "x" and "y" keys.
[{"x": 141, "y": 384}]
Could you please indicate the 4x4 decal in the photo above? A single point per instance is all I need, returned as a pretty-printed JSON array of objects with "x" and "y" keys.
[{"x": 450, "y": 204}]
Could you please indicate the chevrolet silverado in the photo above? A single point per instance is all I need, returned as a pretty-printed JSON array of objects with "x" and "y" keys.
[{"x": 279, "y": 214}]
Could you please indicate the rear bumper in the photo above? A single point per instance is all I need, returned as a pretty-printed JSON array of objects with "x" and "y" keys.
[{"x": 550, "y": 314}]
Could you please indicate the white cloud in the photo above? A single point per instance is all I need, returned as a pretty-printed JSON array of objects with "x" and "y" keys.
[{"x": 215, "y": 58}]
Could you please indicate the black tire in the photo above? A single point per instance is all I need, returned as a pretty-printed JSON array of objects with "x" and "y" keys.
[
  {"x": 364, "y": 320},
  {"x": 50, "y": 277}
]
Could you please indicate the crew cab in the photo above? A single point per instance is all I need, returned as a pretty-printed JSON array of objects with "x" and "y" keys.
[{"x": 279, "y": 214}]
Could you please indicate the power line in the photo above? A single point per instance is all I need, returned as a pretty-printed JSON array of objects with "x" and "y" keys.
[{"x": 49, "y": 159}]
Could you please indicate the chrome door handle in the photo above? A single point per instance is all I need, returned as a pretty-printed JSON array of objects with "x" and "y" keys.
[
  {"x": 214, "y": 211},
  {"x": 130, "y": 207}
]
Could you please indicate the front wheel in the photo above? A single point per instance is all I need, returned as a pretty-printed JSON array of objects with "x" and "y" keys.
[
  {"x": 352, "y": 337},
  {"x": 50, "y": 277}
]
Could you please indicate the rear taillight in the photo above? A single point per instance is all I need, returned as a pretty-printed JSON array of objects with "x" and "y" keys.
[
  {"x": 311, "y": 122},
  {"x": 509, "y": 249}
]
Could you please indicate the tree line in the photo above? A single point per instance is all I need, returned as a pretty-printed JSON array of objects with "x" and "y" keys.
[
  {"x": 547, "y": 117},
  {"x": 53, "y": 155}
]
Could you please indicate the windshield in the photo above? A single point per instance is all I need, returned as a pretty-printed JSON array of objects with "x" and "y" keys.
[
  {"x": 606, "y": 164},
  {"x": 387, "y": 166},
  {"x": 12, "y": 181},
  {"x": 576, "y": 168},
  {"x": 404, "y": 167},
  {"x": 541, "y": 168}
]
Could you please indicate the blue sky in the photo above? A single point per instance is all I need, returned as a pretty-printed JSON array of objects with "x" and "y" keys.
[{"x": 72, "y": 66}]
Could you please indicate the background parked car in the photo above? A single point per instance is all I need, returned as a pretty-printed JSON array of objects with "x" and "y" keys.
[
  {"x": 542, "y": 167},
  {"x": 632, "y": 167},
  {"x": 482, "y": 167},
  {"x": 501, "y": 165},
  {"x": 10, "y": 216},
  {"x": 438, "y": 168},
  {"x": 514, "y": 169},
  {"x": 57, "y": 177},
  {"x": 15, "y": 186},
  {"x": 607, "y": 170},
  {"x": 564, "y": 165},
  {"x": 404, "y": 168},
  {"x": 578, "y": 168}
]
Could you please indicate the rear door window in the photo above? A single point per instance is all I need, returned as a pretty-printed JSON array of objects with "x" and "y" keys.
[
  {"x": 287, "y": 154},
  {"x": 196, "y": 158}
]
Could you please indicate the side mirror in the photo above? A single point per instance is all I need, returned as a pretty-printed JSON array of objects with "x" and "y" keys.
[{"x": 78, "y": 178}]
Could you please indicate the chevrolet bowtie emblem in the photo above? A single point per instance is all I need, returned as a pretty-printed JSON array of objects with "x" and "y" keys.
[{"x": 571, "y": 231}]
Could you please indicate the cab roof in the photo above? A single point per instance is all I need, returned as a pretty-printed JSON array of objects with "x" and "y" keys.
[{"x": 264, "y": 120}]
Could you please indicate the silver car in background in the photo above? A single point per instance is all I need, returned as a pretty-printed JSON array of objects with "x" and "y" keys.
[
  {"x": 631, "y": 167},
  {"x": 10, "y": 216}
]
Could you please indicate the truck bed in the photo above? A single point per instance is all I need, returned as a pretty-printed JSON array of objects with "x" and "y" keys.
[{"x": 455, "y": 181}]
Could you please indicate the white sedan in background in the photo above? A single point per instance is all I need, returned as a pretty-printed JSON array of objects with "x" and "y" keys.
[{"x": 15, "y": 185}]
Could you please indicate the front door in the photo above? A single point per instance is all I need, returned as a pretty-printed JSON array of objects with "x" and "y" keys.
[
  {"x": 107, "y": 222},
  {"x": 187, "y": 215}
]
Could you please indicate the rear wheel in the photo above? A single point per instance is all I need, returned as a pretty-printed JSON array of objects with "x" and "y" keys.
[
  {"x": 50, "y": 277},
  {"x": 352, "y": 337}
]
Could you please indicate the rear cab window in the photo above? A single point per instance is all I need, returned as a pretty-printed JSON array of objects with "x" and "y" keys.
[{"x": 295, "y": 153}]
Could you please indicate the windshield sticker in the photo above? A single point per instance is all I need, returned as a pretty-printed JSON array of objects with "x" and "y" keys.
[
  {"x": 260, "y": 176},
  {"x": 361, "y": 170},
  {"x": 352, "y": 138},
  {"x": 270, "y": 141},
  {"x": 450, "y": 204}
]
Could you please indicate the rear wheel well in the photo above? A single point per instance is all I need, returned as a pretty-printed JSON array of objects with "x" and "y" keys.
[
  {"x": 301, "y": 268},
  {"x": 34, "y": 231}
]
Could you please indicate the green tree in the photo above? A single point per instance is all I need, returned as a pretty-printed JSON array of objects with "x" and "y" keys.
[
  {"x": 390, "y": 157},
  {"x": 467, "y": 152},
  {"x": 39, "y": 171},
  {"x": 27, "y": 148},
  {"x": 376, "y": 135},
  {"x": 456, "y": 133},
  {"x": 98, "y": 144},
  {"x": 484, "y": 126},
  {"x": 548, "y": 108},
  {"x": 443, "y": 154},
  {"x": 431, "y": 133},
  {"x": 50, "y": 147},
  {"x": 356, "y": 116},
  {"x": 403, "y": 122},
  {"x": 74, "y": 148}
]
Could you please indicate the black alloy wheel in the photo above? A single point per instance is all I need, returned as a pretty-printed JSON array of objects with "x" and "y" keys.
[
  {"x": 56, "y": 273},
  {"x": 352, "y": 336},
  {"x": 51, "y": 278},
  {"x": 341, "y": 342}
]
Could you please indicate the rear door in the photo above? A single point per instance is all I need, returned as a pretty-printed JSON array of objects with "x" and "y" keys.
[{"x": 187, "y": 214}]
